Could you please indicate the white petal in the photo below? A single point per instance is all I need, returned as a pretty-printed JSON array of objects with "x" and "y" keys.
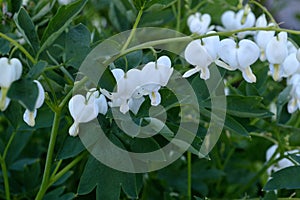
[
  {"x": 245, "y": 23},
  {"x": 262, "y": 38},
  {"x": 164, "y": 60},
  {"x": 4, "y": 100},
  {"x": 228, "y": 20},
  {"x": 276, "y": 50},
  {"x": 247, "y": 53},
  {"x": 128, "y": 84},
  {"x": 74, "y": 129},
  {"x": 135, "y": 104},
  {"x": 298, "y": 55},
  {"x": 205, "y": 74},
  {"x": 212, "y": 44},
  {"x": 118, "y": 74},
  {"x": 191, "y": 72},
  {"x": 41, "y": 95},
  {"x": 276, "y": 71},
  {"x": 124, "y": 108},
  {"x": 17, "y": 65},
  {"x": 228, "y": 52},
  {"x": 292, "y": 105},
  {"x": 224, "y": 65},
  {"x": 290, "y": 65},
  {"x": 102, "y": 104},
  {"x": 261, "y": 21},
  {"x": 155, "y": 98},
  {"x": 196, "y": 54},
  {"x": 291, "y": 47},
  {"x": 29, "y": 117},
  {"x": 248, "y": 75}
]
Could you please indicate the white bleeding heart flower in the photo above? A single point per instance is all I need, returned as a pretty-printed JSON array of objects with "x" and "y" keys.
[
  {"x": 135, "y": 83},
  {"x": 244, "y": 18},
  {"x": 281, "y": 164},
  {"x": 290, "y": 65},
  {"x": 276, "y": 52},
  {"x": 99, "y": 100},
  {"x": 262, "y": 38},
  {"x": 291, "y": 47},
  {"x": 29, "y": 116},
  {"x": 239, "y": 56},
  {"x": 294, "y": 102},
  {"x": 11, "y": 70},
  {"x": 201, "y": 54},
  {"x": 82, "y": 110},
  {"x": 199, "y": 23}
]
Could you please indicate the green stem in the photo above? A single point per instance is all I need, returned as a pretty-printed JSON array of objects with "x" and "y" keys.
[
  {"x": 3, "y": 166},
  {"x": 265, "y": 10},
  {"x": 67, "y": 168},
  {"x": 22, "y": 49},
  {"x": 138, "y": 18},
  {"x": 189, "y": 175},
  {"x": 47, "y": 170},
  {"x": 5, "y": 177},
  {"x": 68, "y": 96}
]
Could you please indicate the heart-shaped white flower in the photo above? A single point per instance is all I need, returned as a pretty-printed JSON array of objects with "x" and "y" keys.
[
  {"x": 10, "y": 71},
  {"x": 201, "y": 54},
  {"x": 240, "y": 56},
  {"x": 199, "y": 23},
  {"x": 82, "y": 110},
  {"x": 29, "y": 116},
  {"x": 276, "y": 52}
]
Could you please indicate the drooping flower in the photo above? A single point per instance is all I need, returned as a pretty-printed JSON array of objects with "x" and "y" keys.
[
  {"x": 201, "y": 54},
  {"x": 99, "y": 100},
  {"x": 262, "y": 38},
  {"x": 281, "y": 164},
  {"x": 133, "y": 85},
  {"x": 199, "y": 23},
  {"x": 291, "y": 65},
  {"x": 82, "y": 110},
  {"x": 29, "y": 116},
  {"x": 276, "y": 52},
  {"x": 294, "y": 102},
  {"x": 239, "y": 56},
  {"x": 244, "y": 18},
  {"x": 11, "y": 70}
]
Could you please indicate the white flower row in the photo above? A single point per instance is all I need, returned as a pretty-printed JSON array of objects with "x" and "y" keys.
[{"x": 281, "y": 54}]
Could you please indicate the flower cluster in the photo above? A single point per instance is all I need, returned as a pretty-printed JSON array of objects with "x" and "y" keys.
[
  {"x": 11, "y": 70},
  {"x": 132, "y": 86},
  {"x": 244, "y": 49}
]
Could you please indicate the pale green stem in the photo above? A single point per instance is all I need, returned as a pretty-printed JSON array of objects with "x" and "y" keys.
[
  {"x": 5, "y": 177},
  {"x": 138, "y": 18},
  {"x": 57, "y": 176},
  {"x": 47, "y": 170},
  {"x": 22, "y": 49}
]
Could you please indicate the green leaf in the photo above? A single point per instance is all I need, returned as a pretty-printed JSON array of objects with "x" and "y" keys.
[
  {"x": 287, "y": 178},
  {"x": 4, "y": 46},
  {"x": 37, "y": 70},
  {"x": 60, "y": 21},
  {"x": 233, "y": 125},
  {"x": 77, "y": 45},
  {"x": 71, "y": 147},
  {"x": 27, "y": 29},
  {"x": 57, "y": 194},
  {"x": 244, "y": 106},
  {"x": 25, "y": 91},
  {"x": 14, "y": 114},
  {"x": 19, "y": 165},
  {"x": 107, "y": 181},
  {"x": 283, "y": 99}
]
